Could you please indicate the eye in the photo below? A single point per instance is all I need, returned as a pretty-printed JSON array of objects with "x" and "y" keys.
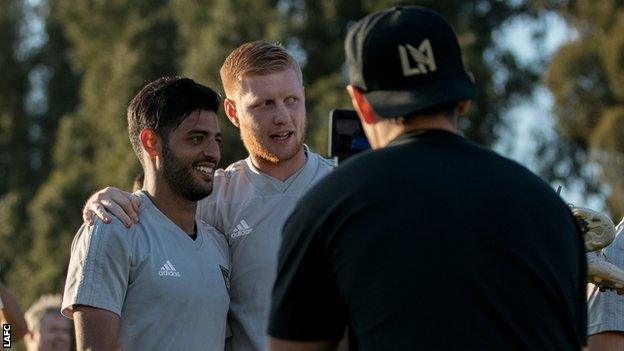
[
  {"x": 197, "y": 139},
  {"x": 291, "y": 100},
  {"x": 218, "y": 140}
]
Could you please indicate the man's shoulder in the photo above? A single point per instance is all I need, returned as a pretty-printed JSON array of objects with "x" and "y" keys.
[
  {"x": 615, "y": 251},
  {"x": 216, "y": 236},
  {"x": 115, "y": 228},
  {"x": 323, "y": 163},
  {"x": 232, "y": 170},
  {"x": 208, "y": 228},
  {"x": 104, "y": 237},
  {"x": 230, "y": 184}
]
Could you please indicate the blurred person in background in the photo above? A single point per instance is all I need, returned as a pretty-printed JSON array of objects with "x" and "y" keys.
[
  {"x": 48, "y": 330},
  {"x": 11, "y": 313},
  {"x": 605, "y": 322}
]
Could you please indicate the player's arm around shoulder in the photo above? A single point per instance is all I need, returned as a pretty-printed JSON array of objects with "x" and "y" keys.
[{"x": 97, "y": 280}]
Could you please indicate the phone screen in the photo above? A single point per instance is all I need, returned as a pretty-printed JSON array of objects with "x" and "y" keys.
[{"x": 346, "y": 136}]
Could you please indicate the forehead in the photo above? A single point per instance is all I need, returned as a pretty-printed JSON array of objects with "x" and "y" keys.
[
  {"x": 53, "y": 319},
  {"x": 199, "y": 120},
  {"x": 278, "y": 83}
]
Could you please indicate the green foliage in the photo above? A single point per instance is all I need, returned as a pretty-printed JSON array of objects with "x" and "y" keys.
[
  {"x": 12, "y": 209},
  {"x": 98, "y": 54},
  {"x": 15, "y": 146},
  {"x": 210, "y": 30},
  {"x": 585, "y": 79},
  {"x": 318, "y": 28}
]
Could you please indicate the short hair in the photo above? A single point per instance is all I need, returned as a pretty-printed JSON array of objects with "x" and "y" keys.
[
  {"x": 163, "y": 104},
  {"x": 255, "y": 58},
  {"x": 446, "y": 108},
  {"x": 44, "y": 305}
]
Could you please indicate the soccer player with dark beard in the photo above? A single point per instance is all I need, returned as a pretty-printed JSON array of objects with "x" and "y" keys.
[{"x": 162, "y": 284}]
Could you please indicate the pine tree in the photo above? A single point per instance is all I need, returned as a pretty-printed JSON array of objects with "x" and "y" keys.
[
  {"x": 14, "y": 122},
  {"x": 100, "y": 53},
  {"x": 318, "y": 28},
  {"x": 116, "y": 47},
  {"x": 210, "y": 31},
  {"x": 15, "y": 145}
]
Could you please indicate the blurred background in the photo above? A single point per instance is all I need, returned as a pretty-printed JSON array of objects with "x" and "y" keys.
[{"x": 550, "y": 76}]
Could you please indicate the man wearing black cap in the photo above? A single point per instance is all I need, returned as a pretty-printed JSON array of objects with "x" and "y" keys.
[{"x": 430, "y": 241}]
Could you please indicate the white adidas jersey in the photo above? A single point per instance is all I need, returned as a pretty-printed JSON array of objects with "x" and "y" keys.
[
  {"x": 250, "y": 208},
  {"x": 170, "y": 291}
]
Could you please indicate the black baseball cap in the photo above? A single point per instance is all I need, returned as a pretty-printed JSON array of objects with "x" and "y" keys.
[{"x": 406, "y": 59}]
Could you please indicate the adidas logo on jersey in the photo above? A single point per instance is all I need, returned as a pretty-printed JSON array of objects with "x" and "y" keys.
[
  {"x": 168, "y": 270},
  {"x": 241, "y": 229}
]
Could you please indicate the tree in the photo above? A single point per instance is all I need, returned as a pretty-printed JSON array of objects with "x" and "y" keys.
[
  {"x": 210, "y": 31},
  {"x": 15, "y": 146},
  {"x": 100, "y": 53},
  {"x": 14, "y": 139},
  {"x": 116, "y": 46},
  {"x": 584, "y": 77},
  {"x": 318, "y": 29}
]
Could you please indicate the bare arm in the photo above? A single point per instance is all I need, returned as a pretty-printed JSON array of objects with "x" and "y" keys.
[
  {"x": 608, "y": 341},
  {"x": 112, "y": 201},
  {"x": 287, "y": 345},
  {"x": 96, "y": 329},
  {"x": 12, "y": 314}
]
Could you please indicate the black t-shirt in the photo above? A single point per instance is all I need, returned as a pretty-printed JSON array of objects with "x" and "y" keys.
[{"x": 433, "y": 243}]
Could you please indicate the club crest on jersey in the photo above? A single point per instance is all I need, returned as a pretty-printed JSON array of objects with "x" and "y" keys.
[
  {"x": 422, "y": 60},
  {"x": 226, "y": 277}
]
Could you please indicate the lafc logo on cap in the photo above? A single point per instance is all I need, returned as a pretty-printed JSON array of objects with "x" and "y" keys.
[{"x": 422, "y": 57}]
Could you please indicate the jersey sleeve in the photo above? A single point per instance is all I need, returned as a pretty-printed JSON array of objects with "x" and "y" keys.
[
  {"x": 209, "y": 212},
  {"x": 605, "y": 312},
  {"x": 306, "y": 305},
  {"x": 99, "y": 268}
]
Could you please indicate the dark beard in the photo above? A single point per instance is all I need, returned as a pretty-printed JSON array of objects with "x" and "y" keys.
[{"x": 180, "y": 179}]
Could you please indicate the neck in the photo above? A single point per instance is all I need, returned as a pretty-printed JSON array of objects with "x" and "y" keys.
[
  {"x": 283, "y": 169},
  {"x": 179, "y": 210},
  {"x": 394, "y": 129}
]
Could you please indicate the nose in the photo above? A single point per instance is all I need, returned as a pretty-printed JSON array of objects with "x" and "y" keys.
[
  {"x": 282, "y": 114},
  {"x": 212, "y": 151}
]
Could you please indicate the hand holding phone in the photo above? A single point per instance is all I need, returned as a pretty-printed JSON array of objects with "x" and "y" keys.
[{"x": 346, "y": 136}]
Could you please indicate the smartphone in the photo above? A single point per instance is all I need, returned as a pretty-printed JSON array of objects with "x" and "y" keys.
[{"x": 346, "y": 136}]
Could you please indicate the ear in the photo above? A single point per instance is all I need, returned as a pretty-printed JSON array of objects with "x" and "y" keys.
[
  {"x": 361, "y": 106},
  {"x": 230, "y": 111},
  {"x": 462, "y": 107},
  {"x": 29, "y": 336},
  {"x": 151, "y": 142}
]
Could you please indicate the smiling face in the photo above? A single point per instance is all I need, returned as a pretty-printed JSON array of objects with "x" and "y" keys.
[
  {"x": 191, "y": 154},
  {"x": 270, "y": 112}
]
